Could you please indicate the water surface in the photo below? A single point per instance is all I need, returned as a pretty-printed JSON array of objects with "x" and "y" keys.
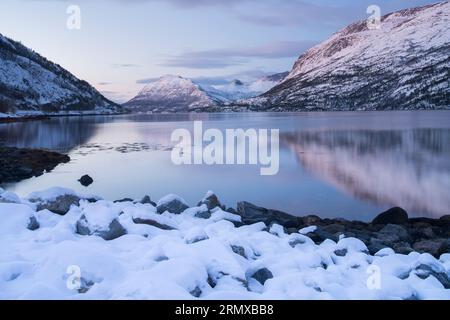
[{"x": 344, "y": 164}]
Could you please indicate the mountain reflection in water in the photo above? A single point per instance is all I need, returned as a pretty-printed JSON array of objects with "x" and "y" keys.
[{"x": 407, "y": 168}]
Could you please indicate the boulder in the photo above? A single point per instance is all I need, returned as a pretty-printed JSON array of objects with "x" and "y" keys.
[
  {"x": 434, "y": 247},
  {"x": 423, "y": 271},
  {"x": 211, "y": 201},
  {"x": 239, "y": 250},
  {"x": 86, "y": 180},
  {"x": 33, "y": 224},
  {"x": 395, "y": 231},
  {"x": 172, "y": 204},
  {"x": 146, "y": 200},
  {"x": 392, "y": 216},
  {"x": 251, "y": 214},
  {"x": 262, "y": 275},
  {"x": 113, "y": 231},
  {"x": 60, "y": 205}
]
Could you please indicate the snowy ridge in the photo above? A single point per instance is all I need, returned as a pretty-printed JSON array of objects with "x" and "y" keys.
[
  {"x": 31, "y": 85},
  {"x": 403, "y": 65},
  {"x": 191, "y": 255},
  {"x": 172, "y": 93}
]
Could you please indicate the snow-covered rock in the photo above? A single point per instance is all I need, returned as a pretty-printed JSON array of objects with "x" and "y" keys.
[
  {"x": 65, "y": 257},
  {"x": 402, "y": 65},
  {"x": 32, "y": 85}
]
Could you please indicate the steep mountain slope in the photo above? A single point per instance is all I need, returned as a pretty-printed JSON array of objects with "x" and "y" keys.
[
  {"x": 30, "y": 84},
  {"x": 403, "y": 65},
  {"x": 172, "y": 94}
]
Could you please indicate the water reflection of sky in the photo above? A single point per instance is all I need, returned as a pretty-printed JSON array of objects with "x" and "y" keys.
[{"x": 350, "y": 165}]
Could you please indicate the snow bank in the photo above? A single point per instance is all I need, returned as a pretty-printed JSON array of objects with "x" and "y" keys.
[{"x": 183, "y": 256}]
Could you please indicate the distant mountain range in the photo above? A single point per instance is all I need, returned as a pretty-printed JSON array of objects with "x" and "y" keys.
[
  {"x": 30, "y": 85},
  {"x": 403, "y": 65},
  {"x": 172, "y": 93}
]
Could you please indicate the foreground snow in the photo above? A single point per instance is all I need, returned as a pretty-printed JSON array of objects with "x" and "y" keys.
[{"x": 189, "y": 255}]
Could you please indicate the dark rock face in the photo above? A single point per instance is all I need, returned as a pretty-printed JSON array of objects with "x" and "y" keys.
[
  {"x": 253, "y": 214},
  {"x": 20, "y": 164},
  {"x": 393, "y": 216},
  {"x": 262, "y": 275},
  {"x": 86, "y": 180},
  {"x": 61, "y": 205},
  {"x": 175, "y": 206}
]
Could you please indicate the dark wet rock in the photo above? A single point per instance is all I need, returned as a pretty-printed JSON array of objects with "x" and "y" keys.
[
  {"x": 204, "y": 213},
  {"x": 341, "y": 252},
  {"x": 320, "y": 235},
  {"x": 61, "y": 205},
  {"x": 161, "y": 258},
  {"x": 85, "y": 285},
  {"x": 251, "y": 214},
  {"x": 211, "y": 201},
  {"x": 124, "y": 200},
  {"x": 434, "y": 247},
  {"x": 375, "y": 245},
  {"x": 232, "y": 210},
  {"x": 334, "y": 228},
  {"x": 197, "y": 292},
  {"x": 392, "y": 216},
  {"x": 175, "y": 205},
  {"x": 445, "y": 218},
  {"x": 113, "y": 231},
  {"x": 239, "y": 250},
  {"x": 262, "y": 275},
  {"x": 153, "y": 223},
  {"x": 86, "y": 180},
  {"x": 311, "y": 220},
  {"x": 20, "y": 164},
  {"x": 146, "y": 200},
  {"x": 33, "y": 224},
  {"x": 395, "y": 231},
  {"x": 423, "y": 271},
  {"x": 402, "y": 247}
]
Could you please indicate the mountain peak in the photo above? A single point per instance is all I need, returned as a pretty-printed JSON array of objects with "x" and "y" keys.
[{"x": 401, "y": 65}]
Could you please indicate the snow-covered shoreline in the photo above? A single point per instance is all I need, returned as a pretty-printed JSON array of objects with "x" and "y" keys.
[{"x": 139, "y": 250}]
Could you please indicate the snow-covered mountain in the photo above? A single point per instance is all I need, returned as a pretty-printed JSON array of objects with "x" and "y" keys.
[
  {"x": 237, "y": 89},
  {"x": 172, "y": 93},
  {"x": 405, "y": 64},
  {"x": 30, "y": 84}
]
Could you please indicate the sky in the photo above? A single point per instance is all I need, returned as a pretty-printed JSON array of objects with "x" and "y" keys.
[{"x": 123, "y": 44}]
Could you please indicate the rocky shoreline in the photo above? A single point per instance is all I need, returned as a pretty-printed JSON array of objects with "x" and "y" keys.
[
  {"x": 391, "y": 229},
  {"x": 20, "y": 164}
]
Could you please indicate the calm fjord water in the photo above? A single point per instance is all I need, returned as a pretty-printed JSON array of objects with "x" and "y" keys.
[{"x": 345, "y": 164}]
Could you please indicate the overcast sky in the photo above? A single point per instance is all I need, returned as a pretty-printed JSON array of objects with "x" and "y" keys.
[{"x": 123, "y": 43}]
